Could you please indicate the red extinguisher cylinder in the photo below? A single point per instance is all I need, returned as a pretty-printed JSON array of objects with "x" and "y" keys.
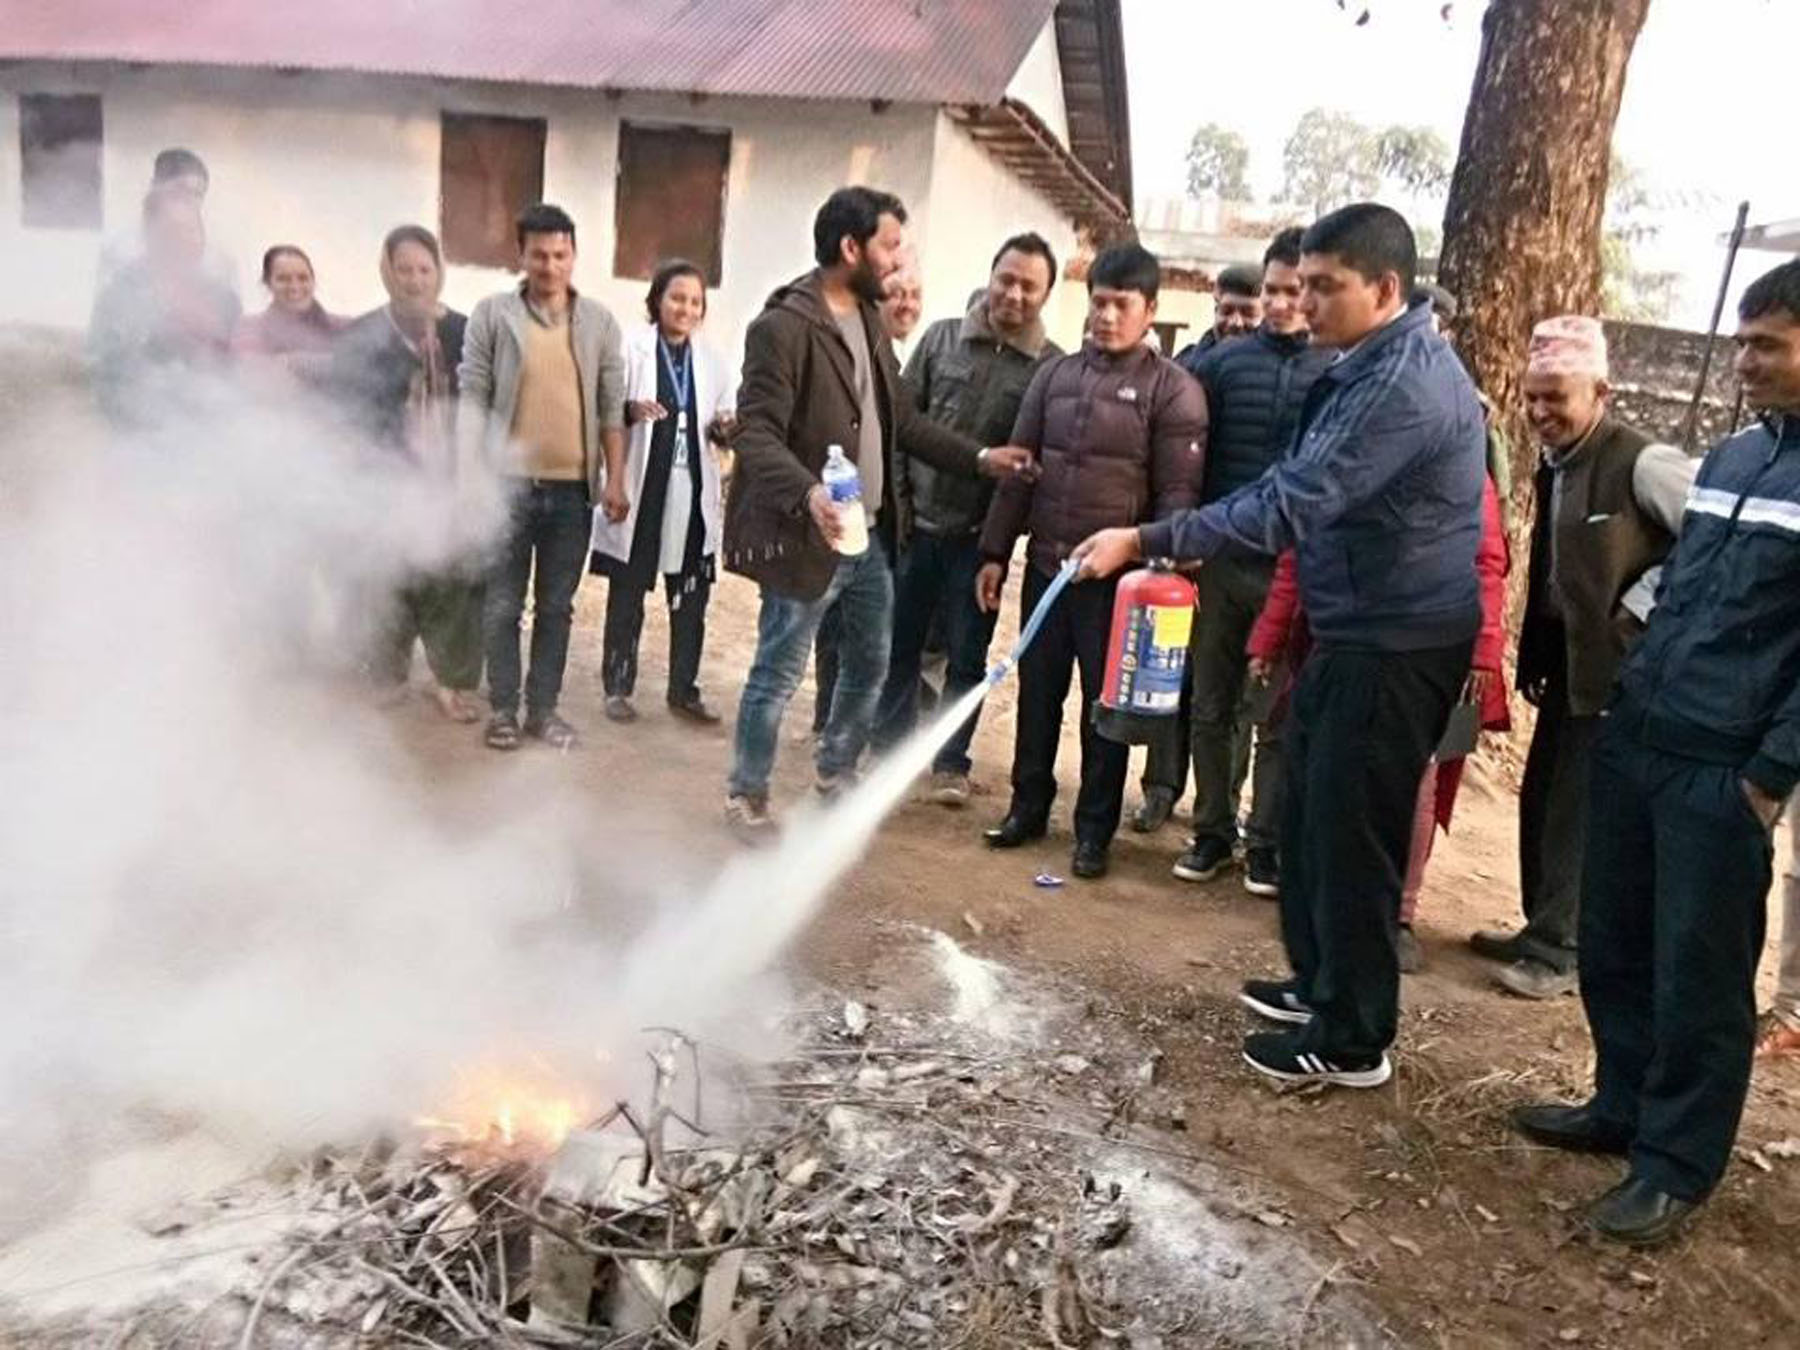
[{"x": 1146, "y": 655}]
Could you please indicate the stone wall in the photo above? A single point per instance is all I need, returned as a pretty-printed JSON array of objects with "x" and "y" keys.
[{"x": 1653, "y": 374}]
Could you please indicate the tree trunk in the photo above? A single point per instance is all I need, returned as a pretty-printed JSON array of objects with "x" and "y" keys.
[{"x": 1528, "y": 197}]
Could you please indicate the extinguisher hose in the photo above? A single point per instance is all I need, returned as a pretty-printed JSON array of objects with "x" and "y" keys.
[{"x": 1033, "y": 622}]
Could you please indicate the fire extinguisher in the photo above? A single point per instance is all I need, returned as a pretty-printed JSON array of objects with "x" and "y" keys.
[{"x": 1146, "y": 656}]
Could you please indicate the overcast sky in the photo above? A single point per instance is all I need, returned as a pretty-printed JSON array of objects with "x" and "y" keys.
[{"x": 1700, "y": 122}]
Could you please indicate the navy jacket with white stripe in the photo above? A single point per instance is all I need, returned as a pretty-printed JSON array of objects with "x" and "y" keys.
[
  {"x": 1379, "y": 497},
  {"x": 1717, "y": 675}
]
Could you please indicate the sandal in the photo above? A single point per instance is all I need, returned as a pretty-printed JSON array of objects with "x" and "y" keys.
[
  {"x": 455, "y": 705},
  {"x": 502, "y": 732}
]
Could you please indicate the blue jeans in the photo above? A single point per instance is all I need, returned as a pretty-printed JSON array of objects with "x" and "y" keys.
[
  {"x": 863, "y": 590},
  {"x": 935, "y": 575},
  {"x": 550, "y": 523}
]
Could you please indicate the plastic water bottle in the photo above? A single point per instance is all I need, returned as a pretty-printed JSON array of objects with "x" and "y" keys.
[{"x": 844, "y": 484}]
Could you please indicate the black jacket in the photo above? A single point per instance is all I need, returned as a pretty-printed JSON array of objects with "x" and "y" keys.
[
  {"x": 1255, "y": 388},
  {"x": 965, "y": 376},
  {"x": 1189, "y": 356},
  {"x": 1716, "y": 676}
]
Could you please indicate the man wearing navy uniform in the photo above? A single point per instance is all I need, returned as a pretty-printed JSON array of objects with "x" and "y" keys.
[{"x": 1698, "y": 755}]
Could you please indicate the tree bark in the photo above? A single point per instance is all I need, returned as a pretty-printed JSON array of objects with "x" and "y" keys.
[{"x": 1528, "y": 196}]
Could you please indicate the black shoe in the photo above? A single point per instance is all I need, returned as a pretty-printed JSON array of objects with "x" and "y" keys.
[
  {"x": 1636, "y": 1213},
  {"x": 1277, "y": 1055},
  {"x": 552, "y": 731},
  {"x": 619, "y": 709},
  {"x": 1503, "y": 947},
  {"x": 696, "y": 710},
  {"x": 1535, "y": 979},
  {"x": 1275, "y": 1000},
  {"x": 1014, "y": 832},
  {"x": 1158, "y": 806},
  {"x": 1575, "y": 1128},
  {"x": 1089, "y": 861},
  {"x": 1262, "y": 872},
  {"x": 1204, "y": 860}
]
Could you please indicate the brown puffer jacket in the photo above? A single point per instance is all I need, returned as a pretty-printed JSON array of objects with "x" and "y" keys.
[
  {"x": 1121, "y": 439},
  {"x": 798, "y": 396}
]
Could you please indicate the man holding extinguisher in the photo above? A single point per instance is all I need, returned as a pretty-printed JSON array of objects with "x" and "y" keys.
[
  {"x": 1380, "y": 498},
  {"x": 1120, "y": 433}
]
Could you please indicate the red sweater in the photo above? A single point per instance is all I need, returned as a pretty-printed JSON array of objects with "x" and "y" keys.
[{"x": 1280, "y": 633}]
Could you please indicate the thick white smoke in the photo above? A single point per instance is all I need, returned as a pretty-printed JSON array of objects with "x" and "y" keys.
[{"x": 227, "y": 892}]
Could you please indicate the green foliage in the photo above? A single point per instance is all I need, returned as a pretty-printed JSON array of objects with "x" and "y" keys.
[
  {"x": 1218, "y": 162},
  {"x": 1331, "y": 160},
  {"x": 1415, "y": 158},
  {"x": 1628, "y": 291}
]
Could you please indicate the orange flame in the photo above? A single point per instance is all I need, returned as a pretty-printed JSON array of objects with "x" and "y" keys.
[{"x": 523, "y": 1107}]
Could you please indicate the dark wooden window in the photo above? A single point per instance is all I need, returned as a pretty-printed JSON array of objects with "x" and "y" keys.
[
  {"x": 670, "y": 198},
  {"x": 59, "y": 161},
  {"x": 489, "y": 170}
]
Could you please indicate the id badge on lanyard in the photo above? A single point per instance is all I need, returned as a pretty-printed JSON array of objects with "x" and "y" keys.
[{"x": 681, "y": 378}]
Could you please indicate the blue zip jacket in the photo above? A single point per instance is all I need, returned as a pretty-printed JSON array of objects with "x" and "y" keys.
[
  {"x": 1380, "y": 497},
  {"x": 1716, "y": 677}
]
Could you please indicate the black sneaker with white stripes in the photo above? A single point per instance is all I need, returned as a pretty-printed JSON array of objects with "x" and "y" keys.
[
  {"x": 1275, "y": 1000},
  {"x": 1277, "y": 1055}
]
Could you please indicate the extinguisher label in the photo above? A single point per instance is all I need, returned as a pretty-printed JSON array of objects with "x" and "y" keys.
[
  {"x": 1155, "y": 658},
  {"x": 1173, "y": 625}
]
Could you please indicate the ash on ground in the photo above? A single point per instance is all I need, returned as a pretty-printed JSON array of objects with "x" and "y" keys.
[{"x": 968, "y": 1163}]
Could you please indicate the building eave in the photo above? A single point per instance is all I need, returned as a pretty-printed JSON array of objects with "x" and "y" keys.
[
  {"x": 1020, "y": 141},
  {"x": 1090, "y": 45}
]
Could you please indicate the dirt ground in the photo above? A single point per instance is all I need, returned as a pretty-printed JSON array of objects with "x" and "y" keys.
[
  {"x": 1429, "y": 1210},
  {"x": 1458, "y": 1232}
]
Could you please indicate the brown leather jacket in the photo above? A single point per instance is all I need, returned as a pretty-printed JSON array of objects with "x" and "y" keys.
[
  {"x": 798, "y": 396},
  {"x": 1121, "y": 440}
]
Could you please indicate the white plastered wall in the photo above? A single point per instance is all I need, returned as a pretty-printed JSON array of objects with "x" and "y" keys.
[
  {"x": 331, "y": 162},
  {"x": 973, "y": 204}
]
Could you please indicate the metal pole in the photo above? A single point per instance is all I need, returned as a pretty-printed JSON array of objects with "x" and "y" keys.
[{"x": 1691, "y": 429}]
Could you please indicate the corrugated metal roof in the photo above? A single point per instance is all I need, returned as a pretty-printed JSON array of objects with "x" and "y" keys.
[{"x": 902, "y": 51}]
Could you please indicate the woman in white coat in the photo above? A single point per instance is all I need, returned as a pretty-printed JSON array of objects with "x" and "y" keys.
[{"x": 681, "y": 398}]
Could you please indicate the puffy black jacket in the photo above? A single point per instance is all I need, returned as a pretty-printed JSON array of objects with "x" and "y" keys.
[
  {"x": 1255, "y": 388},
  {"x": 1716, "y": 676},
  {"x": 1190, "y": 356}
]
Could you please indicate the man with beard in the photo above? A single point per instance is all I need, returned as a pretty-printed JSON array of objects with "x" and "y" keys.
[{"x": 820, "y": 373}]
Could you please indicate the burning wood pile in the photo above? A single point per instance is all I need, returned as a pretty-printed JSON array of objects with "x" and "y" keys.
[{"x": 866, "y": 1195}]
